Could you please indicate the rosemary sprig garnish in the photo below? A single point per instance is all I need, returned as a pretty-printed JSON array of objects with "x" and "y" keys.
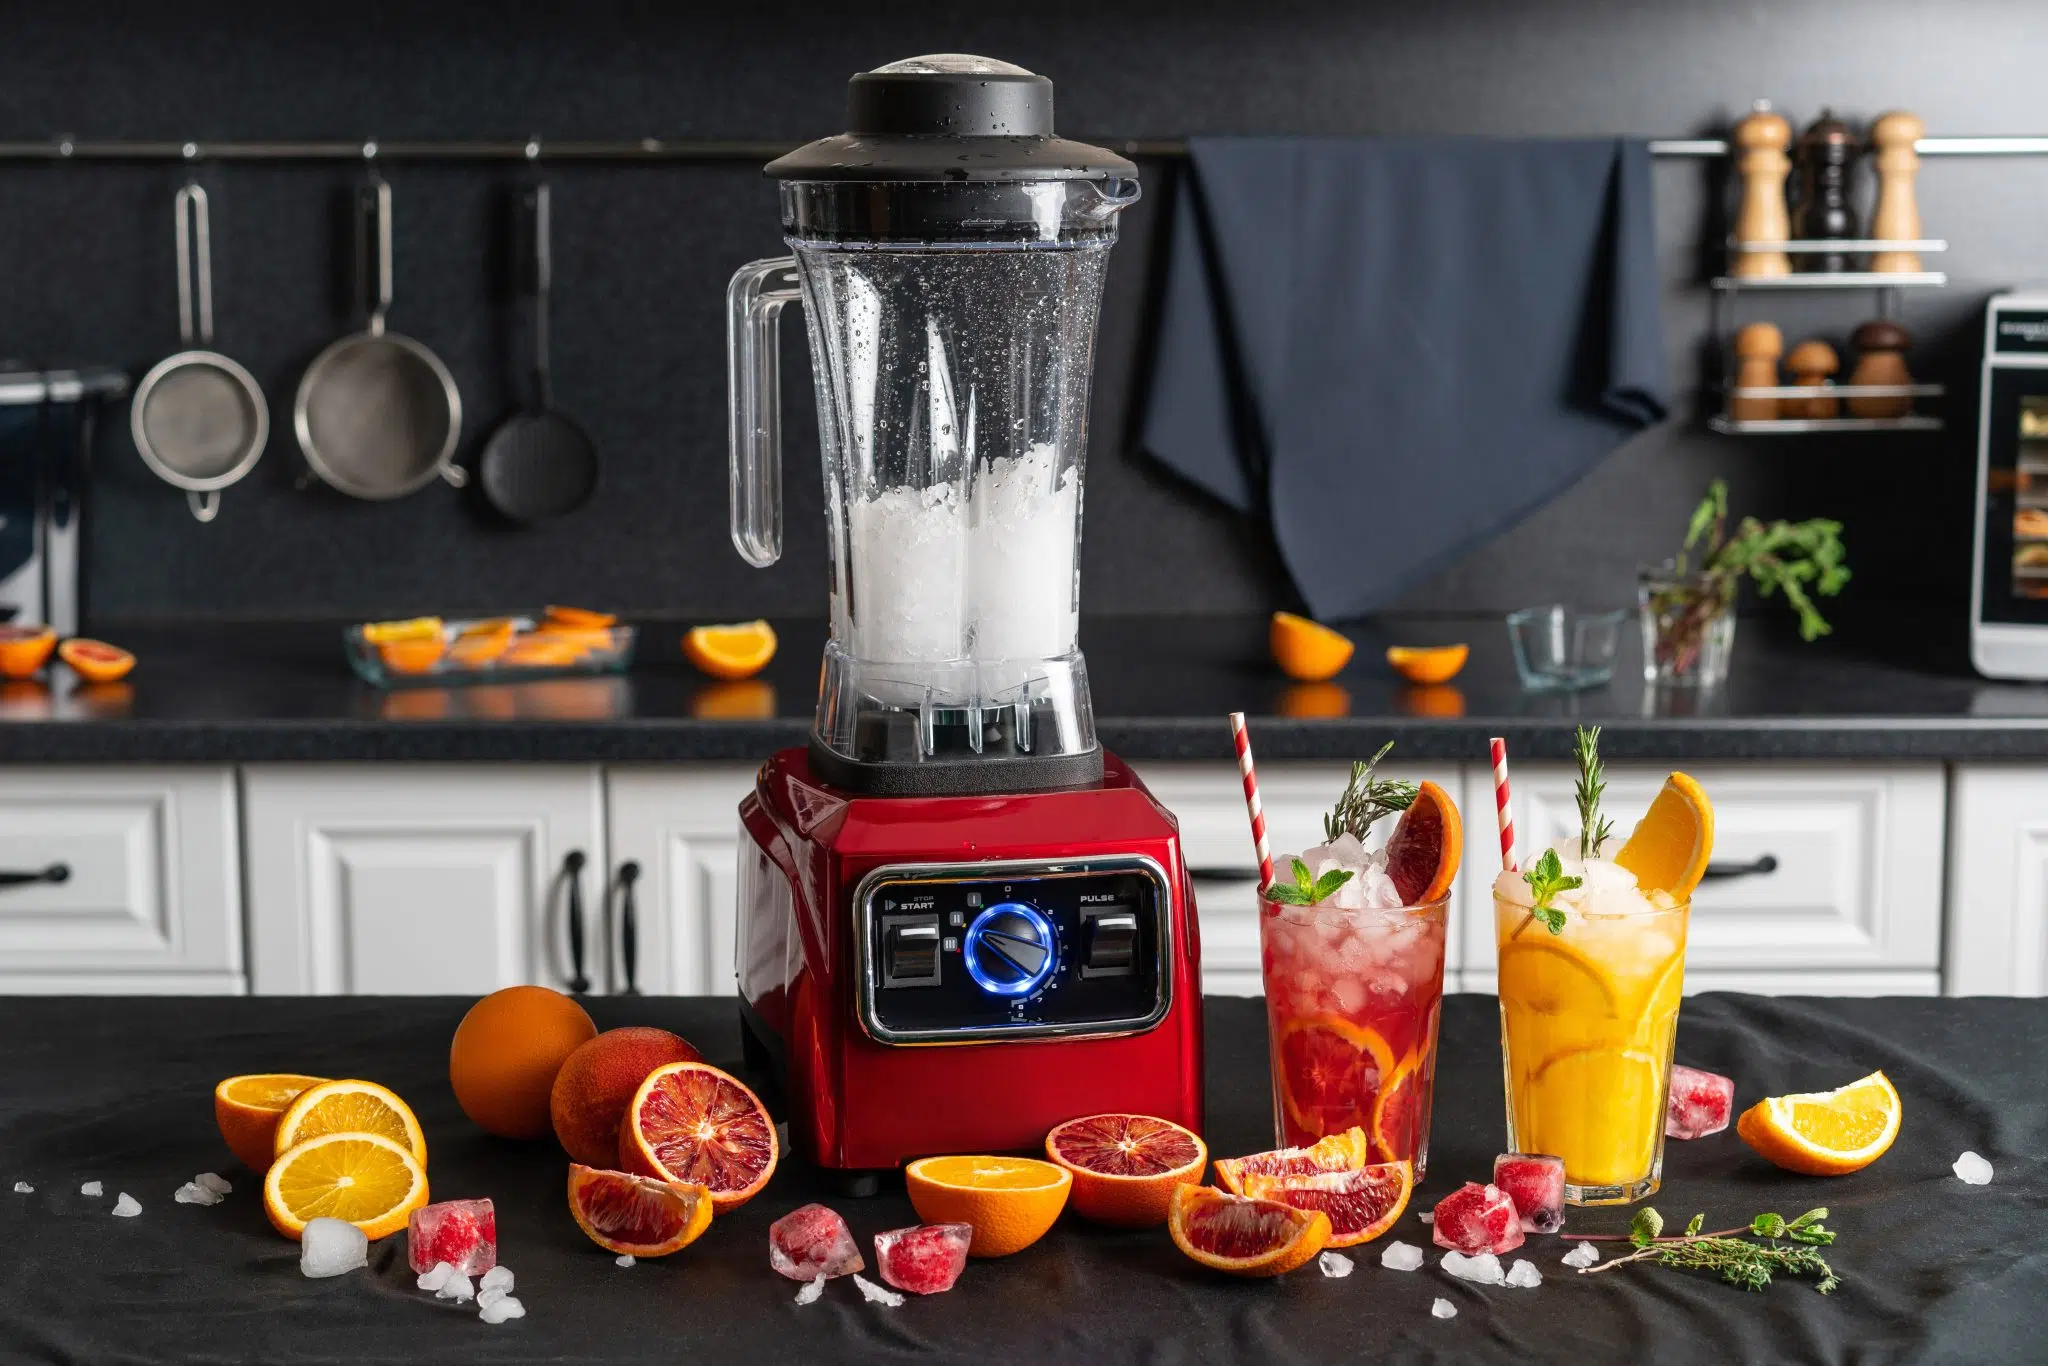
[
  {"x": 1727, "y": 1253},
  {"x": 1594, "y": 828},
  {"x": 1367, "y": 798}
]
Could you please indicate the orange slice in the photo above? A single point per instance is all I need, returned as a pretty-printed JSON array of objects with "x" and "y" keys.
[
  {"x": 1242, "y": 1236},
  {"x": 474, "y": 648},
  {"x": 637, "y": 1215},
  {"x": 578, "y": 616},
  {"x": 247, "y": 1109},
  {"x": 1426, "y": 847},
  {"x": 365, "y": 1179},
  {"x": 411, "y": 656},
  {"x": 1361, "y": 1204},
  {"x": 416, "y": 628},
  {"x": 1305, "y": 650},
  {"x": 1670, "y": 845},
  {"x": 1343, "y": 1152},
  {"x": 1331, "y": 1072},
  {"x": 1126, "y": 1166},
  {"x": 353, "y": 1107},
  {"x": 1009, "y": 1201},
  {"x": 692, "y": 1123},
  {"x": 541, "y": 650},
  {"x": 738, "y": 651},
  {"x": 95, "y": 660},
  {"x": 25, "y": 649},
  {"x": 1396, "y": 1112},
  {"x": 1825, "y": 1133},
  {"x": 489, "y": 626},
  {"x": 1428, "y": 663}
]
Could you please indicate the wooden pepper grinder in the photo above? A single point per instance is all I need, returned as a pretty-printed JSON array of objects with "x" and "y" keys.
[
  {"x": 1812, "y": 362},
  {"x": 1757, "y": 348},
  {"x": 1760, "y": 140},
  {"x": 1897, "y": 217},
  {"x": 1825, "y": 153},
  {"x": 1880, "y": 359}
]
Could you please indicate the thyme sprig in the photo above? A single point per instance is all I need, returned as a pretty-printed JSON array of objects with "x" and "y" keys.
[
  {"x": 1366, "y": 798},
  {"x": 1728, "y": 1253}
]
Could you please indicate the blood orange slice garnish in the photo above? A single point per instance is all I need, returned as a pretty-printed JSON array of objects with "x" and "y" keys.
[
  {"x": 1396, "y": 1110},
  {"x": 1361, "y": 1204},
  {"x": 1426, "y": 847},
  {"x": 692, "y": 1123},
  {"x": 1331, "y": 1071},
  {"x": 1126, "y": 1166},
  {"x": 637, "y": 1214},
  {"x": 1241, "y": 1236},
  {"x": 1343, "y": 1152}
]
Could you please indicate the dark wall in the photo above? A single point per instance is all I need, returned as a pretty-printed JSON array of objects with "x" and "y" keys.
[{"x": 643, "y": 255}]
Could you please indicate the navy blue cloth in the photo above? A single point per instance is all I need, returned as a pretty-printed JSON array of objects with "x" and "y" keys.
[{"x": 1397, "y": 348}]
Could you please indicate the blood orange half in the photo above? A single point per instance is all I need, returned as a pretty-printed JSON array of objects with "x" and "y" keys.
[
  {"x": 1343, "y": 1152},
  {"x": 1126, "y": 1166},
  {"x": 1331, "y": 1072},
  {"x": 1362, "y": 1204},
  {"x": 1244, "y": 1237},
  {"x": 692, "y": 1123},
  {"x": 637, "y": 1214}
]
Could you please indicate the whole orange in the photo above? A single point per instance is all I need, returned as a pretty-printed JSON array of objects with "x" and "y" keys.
[
  {"x": 506, "y": 1053},
  {"x": 597, "y": 1083}
]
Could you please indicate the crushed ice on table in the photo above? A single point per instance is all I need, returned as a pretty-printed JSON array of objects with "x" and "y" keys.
[
  {"x": 94, "y": 1188},
  {"x": 1401, "y": 1257},
  {"x": 1483, "y": 1269},
  {"x": 624, "y": 1259},
  {"x": 1972, "y": 1169},
  {"x": 214, "y": 1182},
  {"x": 1535, "y": 1182},
  {"x": 1443, "y": 1309},
  {"x": 435, "y": 1276},
  {"x": 192, "y": 1193},
  {"x": 24, "y": 1188},
  {"x": 486, "y": 1298},
  {"x": 1427, "y": 1216},
  {"x": 330, "y": 1247},
  {"x": 1698, "y": 1103},
  {"x": 497, "y": 1278},
  {"x": 1523, "y": 1275},
  {"x": 462, "y": 1232},
  {"x": 1335, "y": 1265},
  {"x": 924, "y": 1259},
  {"x": 1582, "y": 1255},
  {"x": 1476, "y": 1218},
  {"x": 875, "y": 1294},
  {"x": 497, "y": 1311},
  {"x": 457, "y": 1287},
  {"x": 812, "y": 1288},
  {"x": 813, "y": 1241},
  {"x": 127, "y": 1207}
]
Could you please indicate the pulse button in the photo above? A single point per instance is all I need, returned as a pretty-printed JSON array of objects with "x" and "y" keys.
[
  {"x": 910, "y": 951},
  {"x": 1111, "y": 945}
]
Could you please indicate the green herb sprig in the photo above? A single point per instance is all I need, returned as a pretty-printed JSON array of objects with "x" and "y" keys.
[
  {"x": 1728, "y": 1252},
  {"x": 1306, "y": 890},
  {"x": 1593, "y": 827},
  {"x": 1366, "y": 798},
  {"x": 1546, "y": 879}
]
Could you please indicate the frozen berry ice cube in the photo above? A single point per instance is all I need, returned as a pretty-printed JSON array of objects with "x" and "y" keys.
[
  {"x": 462, "y": 1233},
  {"x": 1476, "y": 1218},
  {"x": 923, "y": 1260},
  {"x": 811, "y": 1242},
  {"x": 1535, "y": 1182},
  {"x": 1700, "y": 1103}
]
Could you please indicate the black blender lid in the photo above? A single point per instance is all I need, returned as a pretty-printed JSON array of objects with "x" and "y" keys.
[{"x": 949, "y": 117}]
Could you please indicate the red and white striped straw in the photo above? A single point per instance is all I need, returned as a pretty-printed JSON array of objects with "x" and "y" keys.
[
  {"x": 1243, "y": 741},
  {"x": 1499, "y": 747}
]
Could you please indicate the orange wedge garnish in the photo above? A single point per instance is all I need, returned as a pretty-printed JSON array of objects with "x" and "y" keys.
[
  {"x": 1428, "y": 663},
  {"x": 1669, "y": 847},
  {"x": 1305, "y": 650},
  {"x": 738, "y": 651},
  {"x": 1825, "y": 1133},
  {"x": 1426, "y": 847}
]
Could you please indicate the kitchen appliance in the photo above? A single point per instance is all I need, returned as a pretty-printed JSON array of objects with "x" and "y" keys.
[
  {"x": 47, "y": 421},
  {"x": 960, "y": 921},
  {"x": 2009, "y": 581}
]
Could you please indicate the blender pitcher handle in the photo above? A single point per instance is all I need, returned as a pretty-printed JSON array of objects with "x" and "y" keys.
[{"x": 753, "y": 375}]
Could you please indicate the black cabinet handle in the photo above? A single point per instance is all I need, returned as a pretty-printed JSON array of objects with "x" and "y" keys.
[
  {"x": 572, "y": 873},
  {"x": 1720, "y": 871},
  {"x": 1224, "y": 874},
  {"x": 629, "y": 926},
  {"x": 56, "y": 872}
]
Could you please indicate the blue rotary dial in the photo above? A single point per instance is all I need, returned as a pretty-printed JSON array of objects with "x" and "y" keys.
[{"x": 1010, "y": 949}]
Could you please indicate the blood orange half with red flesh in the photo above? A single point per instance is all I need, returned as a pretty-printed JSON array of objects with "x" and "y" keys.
[
  {"x": 637, "y": 1214},
  {"x": 1126, "y": 1166},
  {"x": 1426, "y": 847},
  {"x": 1362, "y": 1204},
  {"x": 692, "y": 1123}
]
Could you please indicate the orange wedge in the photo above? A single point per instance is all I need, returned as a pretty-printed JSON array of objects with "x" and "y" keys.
[
  {"x": 738, "y": 651},
  {"x": 1428, "y": 663},
  {"x": 1010, "y": 1201},
  {"x": 411, "y": 656},
  {"x": 355, "y": 1107},
  {"x": 1242, "y": 1236},
  {"x": 1305, "y": 650},
  {"x": 415, "y": 628},
  {"x": 365, "y": 1179},
  {"x": 541, "y": 650},
  {"x": 1426, "y": 847},
  {"x": 1343, "y": 1152},
  {"x": 1361, "y": 1204},
  {"x": 1825, "y": 1133},
  {"x": 95, "y": 660},
  {"x": 1125, "y": 1167},
  {"x": 247, "y": 1109},
  {"x": 1670, "y": 845},
  {"x": 579, "y": 616},
  {"x": 25, "y": 649}
]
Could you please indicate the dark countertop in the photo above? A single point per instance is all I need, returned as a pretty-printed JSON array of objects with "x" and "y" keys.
[{"x": 1162, "y": 686}]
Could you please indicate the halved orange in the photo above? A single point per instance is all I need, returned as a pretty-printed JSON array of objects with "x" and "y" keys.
[
  {"x": 1343, "y": 1152},
  {"x": 95, "y": 660},
  {"x": 1670, "y": 846},
  {"x": 637, "y": 1215},
  {"x": 1428, "y": 663},
  {"x": 737, "y": 651},
  {"x": 412, "y": 656},
  {"x": 692, "y": 1123},
  {"x": 25, "y": 649},
  {"x": 365, "y": 1179},
  {"x": 1361, "y": 1204},
  {"x": 578, "y": 616},
  {"x": 247, "y": 1109},
  {"x": 1242, "y": 1236},
  {"x": 1331, "y": 1072},
  {"x": 1825, "y": 1133},
  {"x": 350, "y": 1106},
  {"x": 1305, "y": 650},
  {"x": 1126, "y": 1166},
  {"x": 1426, "y": 847},
  {"x": 1009, "y": 1201}
]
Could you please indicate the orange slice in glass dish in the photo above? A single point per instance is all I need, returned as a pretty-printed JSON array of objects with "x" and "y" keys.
[
  {"x": 692, "y": 1123},
  {"x": 1426, "y": 847},
  {"x": 247, "y": 1109},
  {"x": 1242, "y": 1236},
  {"x": 1307, "y": 651},
  {"x": 637, "y": 1215},
  {"x": 365, "y": 1179},
  {"x": 1428, "y": 663},
  {"x": 1331, "y": 1072},
  {"x": 578, "y": 617},
  {"x": 1825, "y": 1133},
  {"x": 1343, "y": 1152},
  {"x": 1361, "y": 1204},
  {"x": 1125, "y": 1167},
  {"x": 1670, "y": 846},
  {"x": 737, "y": 651}
]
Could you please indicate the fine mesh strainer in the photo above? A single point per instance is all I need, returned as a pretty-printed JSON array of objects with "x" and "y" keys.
[{"x": 199, "y": 420}]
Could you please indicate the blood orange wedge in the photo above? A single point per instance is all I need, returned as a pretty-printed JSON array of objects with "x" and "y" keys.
[
  {"x": 1362, "y": 1204},
  {"x": 1331, "y": 1072},
  {"x": 1126, "y": 1166},
  {"x": 247, "y": 1108},
  {"x": 1241, "y": 1236},
  {"x": 692, "y": 1123},
  {"x": 1343, "y": 1152},
  {"x": 637, "y": 1215},
  {"x": 1424, "y": 851}
]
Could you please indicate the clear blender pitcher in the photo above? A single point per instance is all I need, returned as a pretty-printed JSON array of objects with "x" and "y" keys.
[{"x": 949, "y": 253}]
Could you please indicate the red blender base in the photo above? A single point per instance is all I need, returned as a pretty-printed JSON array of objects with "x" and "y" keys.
[{"x": 961, "y": 973}]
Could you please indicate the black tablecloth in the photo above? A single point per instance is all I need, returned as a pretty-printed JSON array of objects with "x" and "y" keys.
[{"x": 119, "y": 1090}]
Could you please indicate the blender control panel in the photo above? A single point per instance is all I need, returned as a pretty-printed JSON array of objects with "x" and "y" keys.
[{"x": 958, "y": 953}]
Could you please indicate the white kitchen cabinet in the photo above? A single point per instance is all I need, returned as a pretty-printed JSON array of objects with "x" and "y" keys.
[
  {"x": 151, "y": 900},
  {"x": 420, "y": 879},
  {"x": 1832, "y": 870},
  {"x": 679, "y": 823},
  {"x": 1998, "y": 880}
]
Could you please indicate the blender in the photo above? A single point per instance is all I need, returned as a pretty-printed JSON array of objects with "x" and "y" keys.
[{"x": 961, "y": 922}]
